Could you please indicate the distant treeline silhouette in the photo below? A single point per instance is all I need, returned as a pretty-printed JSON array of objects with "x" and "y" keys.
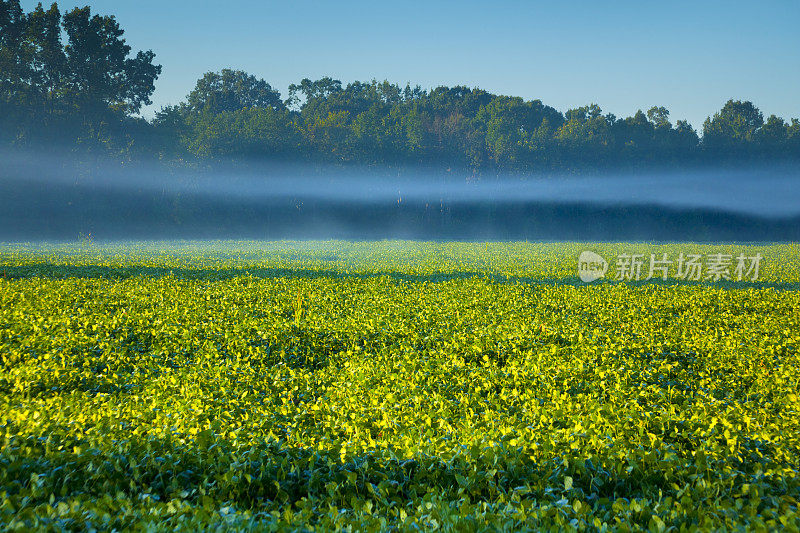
[{"x": 70, "y": 80}]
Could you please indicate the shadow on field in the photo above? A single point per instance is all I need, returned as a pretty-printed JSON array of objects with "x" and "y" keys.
[
  {"x": 56, "y": 271},
  {"x": 163, "y": 469}
]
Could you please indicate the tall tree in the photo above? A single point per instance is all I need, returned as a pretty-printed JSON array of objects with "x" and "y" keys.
[
  {"x": 232, "y": 90},
  {"x": 312, "y": 90},
  {"x": 659, "y": 116},
  {"x": 734, "y": 125},
  {"x": 99, "y": 72},
  {"x": 51, "y": 89},
  {"x": 511, "y": 125},
  {"x": 14, "y": 63}
]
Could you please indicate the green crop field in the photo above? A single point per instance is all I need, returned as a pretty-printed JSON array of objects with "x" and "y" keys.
[{"x": 394, "y": 386}]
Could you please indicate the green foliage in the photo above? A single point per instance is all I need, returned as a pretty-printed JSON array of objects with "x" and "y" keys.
[
  {"x": 231, "y": 90},
  {"x": 83, "y": 91},
  {"x": 393, "y": 386},
  {"x": 99, "y": 72},
  {"x": 734, "y": 127},
  {"x": 245, "y": 132},
  {"x": 513, "y": 126},
  {"x": 378, "y": 122}
]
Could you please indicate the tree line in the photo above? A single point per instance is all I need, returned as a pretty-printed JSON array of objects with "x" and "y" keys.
[{"x": 71, "y": 80}]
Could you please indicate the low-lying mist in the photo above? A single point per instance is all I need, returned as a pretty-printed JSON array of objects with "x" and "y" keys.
[{"x": 51, "y": 195}]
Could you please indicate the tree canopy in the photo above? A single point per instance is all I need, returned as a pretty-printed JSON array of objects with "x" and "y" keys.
[
  {"x": 90, "y": 83},
  {"x": 231, "y": 90},
  {"x": 72, "y": 78}
]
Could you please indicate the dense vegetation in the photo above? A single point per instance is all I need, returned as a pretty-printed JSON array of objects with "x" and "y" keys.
[
  {"x": 393, "y": 386},
  {"x": 85, "y": 93}
]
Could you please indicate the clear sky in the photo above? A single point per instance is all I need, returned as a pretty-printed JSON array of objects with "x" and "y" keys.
[{"x": 689, "y": 56}]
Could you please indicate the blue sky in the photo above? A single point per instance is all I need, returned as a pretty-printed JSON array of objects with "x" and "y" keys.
[{"x": 624, "y": 55}]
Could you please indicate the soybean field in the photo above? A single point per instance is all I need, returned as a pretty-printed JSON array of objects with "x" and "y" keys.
[{"x": 397, "y": 386}]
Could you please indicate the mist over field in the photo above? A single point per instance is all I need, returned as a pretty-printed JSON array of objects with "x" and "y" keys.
[
  {"x": 57, "y": 196},
  {"x": 764, "y": 190}
]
